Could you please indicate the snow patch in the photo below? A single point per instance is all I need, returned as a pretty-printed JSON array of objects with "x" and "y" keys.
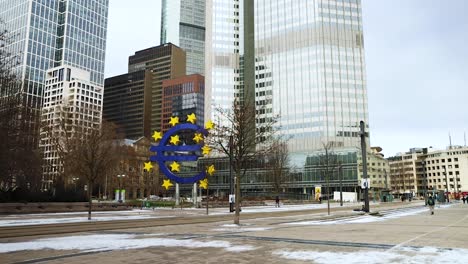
[
  {"x": 402, "y": 255},
  {"x": 92, "y": 243},
  {"x": 363, "y": 219},
  {"x": 45, "y": 221}
]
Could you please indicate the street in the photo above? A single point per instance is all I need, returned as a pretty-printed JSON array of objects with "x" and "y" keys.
[{"x": 398, "y": 235}]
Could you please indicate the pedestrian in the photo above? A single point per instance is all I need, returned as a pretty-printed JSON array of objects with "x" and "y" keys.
[
  {"x": 277, "y": 201},
  {"x": 464, "y": 199},
  {"x": 431, "y": 203}
]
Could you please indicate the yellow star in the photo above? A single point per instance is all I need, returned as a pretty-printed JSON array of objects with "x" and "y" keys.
[
  {"x": 174, "y": 121},
  {"x": 209, "y": 125},
  {"x": 157, "y": 135},
  {"x": 167, "y": 184},
  {"x": 204, "y": 184},
  {"x": 206, "y": 150},
  {"x": 192, "y": 118},
  {"x": 211, "y": 170},
  {"x": 175, "y": 140},
  {"x": 198, "y": 138},
  {"x": 148, "y": 166},
  {"x": 175, "y": 166}
]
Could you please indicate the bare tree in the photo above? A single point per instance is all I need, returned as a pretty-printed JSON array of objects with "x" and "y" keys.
[
  {"x": 278, "y": 162},
  {"x": 328, "y": 163},
  {"x": 94, "y": 155},
  {"x": 249, "y": 142},
  {"x": 87, "y": 153}
]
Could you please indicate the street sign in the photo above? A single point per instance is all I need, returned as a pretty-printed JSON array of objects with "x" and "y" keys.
[{"x": 365, "y": 183}]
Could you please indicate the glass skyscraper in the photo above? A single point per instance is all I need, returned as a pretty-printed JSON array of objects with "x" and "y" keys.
[
  {"x": 309, "y": 66},
  {"x": 51, "y": 33},
  {"x": 183, "y": 24}
]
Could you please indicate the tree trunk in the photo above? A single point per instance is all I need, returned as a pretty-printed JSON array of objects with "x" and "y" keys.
[
  {"x": 90, "y": 201},
  {"x": 237, "y": 199}
]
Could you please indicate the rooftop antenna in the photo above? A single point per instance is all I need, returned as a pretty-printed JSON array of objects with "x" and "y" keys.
[
  {"x": 464, "y": 135},
  {"x": 450, "y": 141}
]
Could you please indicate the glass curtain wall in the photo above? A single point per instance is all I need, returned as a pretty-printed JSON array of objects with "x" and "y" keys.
[{"x": 310, "y": 70}]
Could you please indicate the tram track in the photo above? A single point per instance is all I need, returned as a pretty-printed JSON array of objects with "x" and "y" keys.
[{"x": 64, "y": 228}]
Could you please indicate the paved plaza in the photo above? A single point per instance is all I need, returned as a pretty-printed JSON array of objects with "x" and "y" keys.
[{"x": 407, "y": 234}]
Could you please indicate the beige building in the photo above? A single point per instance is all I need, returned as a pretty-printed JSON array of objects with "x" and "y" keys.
[
  {"x": 423, "y": 169},
  {"x": 378, "y": 169},
  {"x": 453, "y": 163},
  {"x": 406, "y": 175},
  {"x": 72, "y": 104}
]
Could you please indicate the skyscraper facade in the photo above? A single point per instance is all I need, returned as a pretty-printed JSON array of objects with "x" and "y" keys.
[
  {"x": 164, "y": 62},
  {"x": 72, "y": 105},
  {"x": 309, "y": 66},
  {"x": 127, "y": 103},
  {"x": 183, "y": 24},
  {"x": 50, "y": 34},
  {"x": 183, "y": 96}
]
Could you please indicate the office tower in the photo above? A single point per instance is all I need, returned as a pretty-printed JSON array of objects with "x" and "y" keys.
[
  {"x": 72, "y": 104},
  {"x": 183, "y": 24},
  {"x": 230, "y": 55},
  {"x": 165, "y": 61},
  {"x": 127, "y": 103},
  {"x": 49, "y": 34},
  {"x": 183, "y": 96},
  {"x": 309, "y": 66}
]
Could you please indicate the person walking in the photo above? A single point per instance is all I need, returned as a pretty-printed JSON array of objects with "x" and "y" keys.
[
  {"x": 277, "y": 201},
  {"x": 464, "y": 199},
  {"x": 431, "y": 203}
]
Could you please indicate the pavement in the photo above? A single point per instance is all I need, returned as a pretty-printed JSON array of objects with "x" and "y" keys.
[{"x": 399, "y": 235}]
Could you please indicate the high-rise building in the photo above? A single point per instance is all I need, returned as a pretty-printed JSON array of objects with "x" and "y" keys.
[
  {"x": 165, "y": 61},
  {"x": 72, "y": 104},
  {"x": 183, "y": 24},
  {"x": 230, "y": 56},
  {"x": 183, "y": 96},
  {"x": 49, "y": 34},
  {"x": 299, "y": 60},
  {"x": 127, "y": 103},
  {"x": 308, "y": 59}
]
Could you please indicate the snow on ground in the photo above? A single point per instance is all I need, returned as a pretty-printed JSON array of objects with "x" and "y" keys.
[
  {"x": 45, "y": 221},
  {"x": 400, "y": 255},
  {"x": 284, "y": 208},
  {"x": 369, "y": 218},
  {"x": 239, "y": 228},
  {"x": 92, "y": 243}
]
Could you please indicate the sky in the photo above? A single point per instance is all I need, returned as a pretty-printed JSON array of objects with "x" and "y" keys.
[{"x": 416, "y": 63}]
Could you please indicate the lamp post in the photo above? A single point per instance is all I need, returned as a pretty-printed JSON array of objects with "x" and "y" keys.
[
  {"x": 423, "y": 163},
  {"x": 74, "y": 182},
  {"x": 120, "y": 176},
  {"x": 362, "y": 134},
  {"x": 340, "y": 171},
  {"x": 446, "y": 184},
  {"x": 231, "y": 204}
]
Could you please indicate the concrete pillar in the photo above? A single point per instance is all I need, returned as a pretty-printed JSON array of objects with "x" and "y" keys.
[
  {"x": 177, "y": 196},
  {"x": 305, "y": 190}
]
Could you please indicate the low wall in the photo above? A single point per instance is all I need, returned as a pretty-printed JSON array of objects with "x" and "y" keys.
[{"x": 33, "y": 208}]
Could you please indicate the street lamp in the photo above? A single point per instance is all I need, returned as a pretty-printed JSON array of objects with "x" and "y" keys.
[
  {"x": 446, "y": 183},
  {"x": 120, "y": 176},
  {"x": 423, "y": 163},
  {"x": 231, "y": 203},
  {"x": 74, "y": 181},
  {"x": 340, "y": 171}
]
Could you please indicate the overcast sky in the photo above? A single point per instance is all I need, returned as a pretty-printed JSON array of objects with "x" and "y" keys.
[{"x": 417, "y": 65}]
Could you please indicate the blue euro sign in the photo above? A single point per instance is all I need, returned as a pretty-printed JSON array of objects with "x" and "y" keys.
[{"x": 162, "y": 150}]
